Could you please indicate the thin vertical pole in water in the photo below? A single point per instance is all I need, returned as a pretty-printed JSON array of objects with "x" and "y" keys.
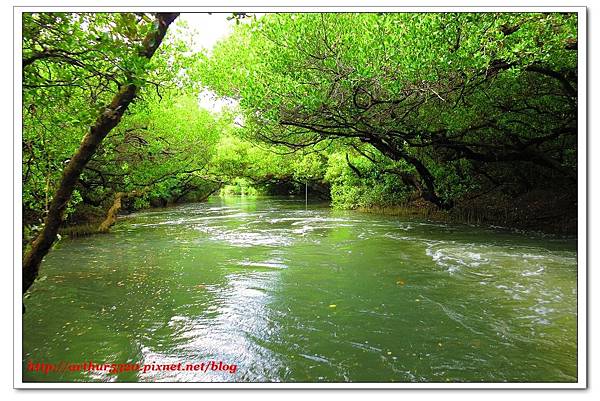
[{"x": 306, "y": 195}]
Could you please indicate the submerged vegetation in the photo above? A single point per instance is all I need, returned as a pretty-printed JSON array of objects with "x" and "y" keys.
[{"x": 471, "y": 115}]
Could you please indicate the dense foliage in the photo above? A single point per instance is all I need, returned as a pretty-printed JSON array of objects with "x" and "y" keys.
[
  {"x": 369, "y": 109},
  {"x": 72, "y": 66},
  {"x": 444, "y": 106}
]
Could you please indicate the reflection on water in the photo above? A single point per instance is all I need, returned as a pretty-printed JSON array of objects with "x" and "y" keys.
[{"x": 289, "y": 294}]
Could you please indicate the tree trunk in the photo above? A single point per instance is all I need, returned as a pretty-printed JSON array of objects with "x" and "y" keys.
[
  {"x": 427, "y": 187},
  {"x": 106, "y": 121},
  {"x": 111, "y": 215}
]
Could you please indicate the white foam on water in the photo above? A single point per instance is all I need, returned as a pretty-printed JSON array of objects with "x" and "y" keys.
[{"x": 271, "y": 263}]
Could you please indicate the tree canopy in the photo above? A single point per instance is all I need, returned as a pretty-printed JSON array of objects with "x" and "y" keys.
[
  {"x": 366, "y": 109},
  {"x": 455, "y": 102}
]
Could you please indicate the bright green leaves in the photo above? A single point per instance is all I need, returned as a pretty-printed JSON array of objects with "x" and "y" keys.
[
  {"x": 450, "y": 90},
  {"x": 127, "y": 26},
  {"x": 309, "y": 167},
  {"x": 72, "y": 65},
  {"x": 438, "y": 88}
]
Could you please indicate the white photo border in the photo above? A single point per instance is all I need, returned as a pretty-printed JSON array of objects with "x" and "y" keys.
[{"x": 582, "y": 282}]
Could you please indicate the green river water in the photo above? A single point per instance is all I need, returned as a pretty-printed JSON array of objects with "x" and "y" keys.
[{"x": 305, "y": 295}]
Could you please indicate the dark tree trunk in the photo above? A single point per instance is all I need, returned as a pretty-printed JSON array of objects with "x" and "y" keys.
[
  {"x": 427, "y": 187},
  {"x": 105, "y": 122}
]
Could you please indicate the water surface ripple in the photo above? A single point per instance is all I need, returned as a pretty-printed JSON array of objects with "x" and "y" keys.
[{"x": 296, "y": 295}]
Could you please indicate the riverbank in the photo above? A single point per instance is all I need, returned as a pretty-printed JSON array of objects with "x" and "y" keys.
[
  {"x": 544, "y": 214},
  {"x": 533, "y": 212}
]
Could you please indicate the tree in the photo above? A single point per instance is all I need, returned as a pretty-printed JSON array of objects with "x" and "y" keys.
[
  {"x": 106, "y": 120},
  {"x": 461, "y": 101},
  {"x": 160, "y": 152}
]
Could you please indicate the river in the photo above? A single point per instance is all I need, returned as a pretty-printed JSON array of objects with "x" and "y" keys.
[{"x": 294, "y": 294}]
